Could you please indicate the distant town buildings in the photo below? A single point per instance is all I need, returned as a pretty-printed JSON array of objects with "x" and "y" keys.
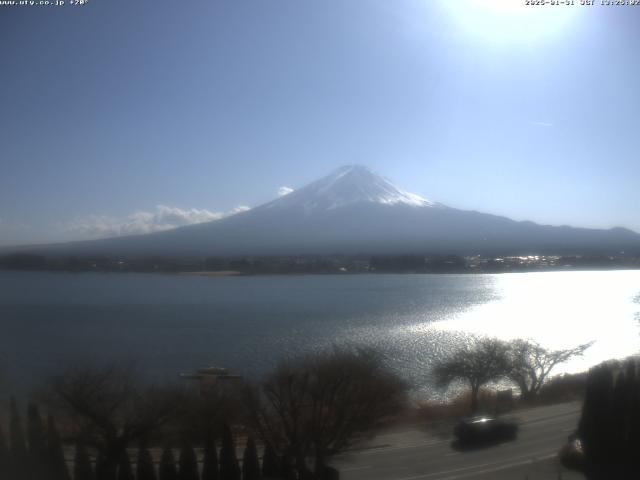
[{"x": 326, "y": 264}]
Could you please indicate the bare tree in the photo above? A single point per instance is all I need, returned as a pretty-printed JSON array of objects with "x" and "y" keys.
[
  {"x": 531, "y": 364},
  {"x": 110, "y": 409},
  {"x": 477, "y": 362},
  {"x": 314, "y": 407},
  {"x": 204, "y": 412}
]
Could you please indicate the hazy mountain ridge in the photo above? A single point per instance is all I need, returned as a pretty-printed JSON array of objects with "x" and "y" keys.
[{"x": 353, "y": 210}]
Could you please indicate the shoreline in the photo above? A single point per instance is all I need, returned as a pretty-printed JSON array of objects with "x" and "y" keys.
[
  {"x": 207, "y": 273},
  {"x": 238, "y": 273}
]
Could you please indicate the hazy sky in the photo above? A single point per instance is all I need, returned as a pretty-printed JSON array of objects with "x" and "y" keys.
[{"x": 126, "y": 116}]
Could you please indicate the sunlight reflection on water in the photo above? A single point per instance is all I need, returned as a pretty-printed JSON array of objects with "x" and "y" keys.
[
  {"x": 173, "y": 324},
  {"x": 561, "y": 310},
  {"x": 558, "y": 310}
]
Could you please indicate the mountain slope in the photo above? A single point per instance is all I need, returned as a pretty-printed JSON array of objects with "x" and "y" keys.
[{"x": 353, "y": 210}]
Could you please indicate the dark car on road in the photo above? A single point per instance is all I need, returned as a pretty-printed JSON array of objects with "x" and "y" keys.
[{"x": 485, "y": 429}]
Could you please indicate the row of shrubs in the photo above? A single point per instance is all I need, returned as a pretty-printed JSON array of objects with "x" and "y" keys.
[{"x": 40, "y": 455}]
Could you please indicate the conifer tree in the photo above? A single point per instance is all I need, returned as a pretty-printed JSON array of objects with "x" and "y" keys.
[
  {"x": 100, "y": 467},
  {"x": 630, "y": 405},
  {"x": 270, "y": 467},
  {"x": 37, "y": 441},
  {"x": 82, "y": 469},
  {"x": 55, "y": 453},
  {"x": 595, "y": 426},
  {"x": 210, "y": 462},
  {"x": 168, "y": 465},
  {"x": 188, "y": 463},
  {"x": 4, "y": 456},
  {"x": 618, "y": 419},
  {"x": 609, "y": 426},
  {"x": 18, "y": 453},
  {"x": 630, "y": 372},
  {"x": 250, "y": 463},
  {"x": 633, "y": 444},
  {"x": 125, "y": 472},
  {"x": 623, "y": 421},
  {"x": 229, "y": 469},
  {"x": 145, "y": 470},
  {"x": 287, "y": 470}
]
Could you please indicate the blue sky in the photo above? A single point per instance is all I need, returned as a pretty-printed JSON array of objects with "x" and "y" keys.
[{"x": 119, "y": 116}]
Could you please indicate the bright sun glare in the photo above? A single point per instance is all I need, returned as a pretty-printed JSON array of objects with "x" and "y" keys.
[{"x": 505, "y": 21}]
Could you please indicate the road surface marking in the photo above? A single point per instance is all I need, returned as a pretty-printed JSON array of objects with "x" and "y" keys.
[
  {"x": 372, "y": 451},
  {"x": 353, "y": 469},
  {"x": 543, "y": 455},
  {"x": 550, "y": 418},
  {"x": 501, "y": 467}
]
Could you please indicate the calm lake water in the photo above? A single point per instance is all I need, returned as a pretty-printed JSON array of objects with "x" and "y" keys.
[{"x": 171, "y": 324}]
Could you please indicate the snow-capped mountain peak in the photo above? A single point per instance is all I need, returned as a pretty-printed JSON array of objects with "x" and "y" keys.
[
  {"x": 354, "y": 211},
  {"x": 351, "y": 184}
]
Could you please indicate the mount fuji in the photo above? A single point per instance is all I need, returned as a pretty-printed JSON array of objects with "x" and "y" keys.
[{"x": 355, "y": 211}]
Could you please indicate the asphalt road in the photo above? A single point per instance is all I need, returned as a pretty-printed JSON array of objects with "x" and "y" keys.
[{"x": 418, "y": 453}]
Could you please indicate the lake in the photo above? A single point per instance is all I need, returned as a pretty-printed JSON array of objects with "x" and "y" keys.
[{"x": 176, "y": 323}]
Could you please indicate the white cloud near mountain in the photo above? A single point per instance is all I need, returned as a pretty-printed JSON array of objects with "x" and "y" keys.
[
  {"x": 240, "y": 208},
  {"x": 282, "y": 191},
  {"x": 162, "y": 218}
]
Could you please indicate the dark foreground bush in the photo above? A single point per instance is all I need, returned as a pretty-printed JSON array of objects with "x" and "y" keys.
[{"x": 609, "y": 428}]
